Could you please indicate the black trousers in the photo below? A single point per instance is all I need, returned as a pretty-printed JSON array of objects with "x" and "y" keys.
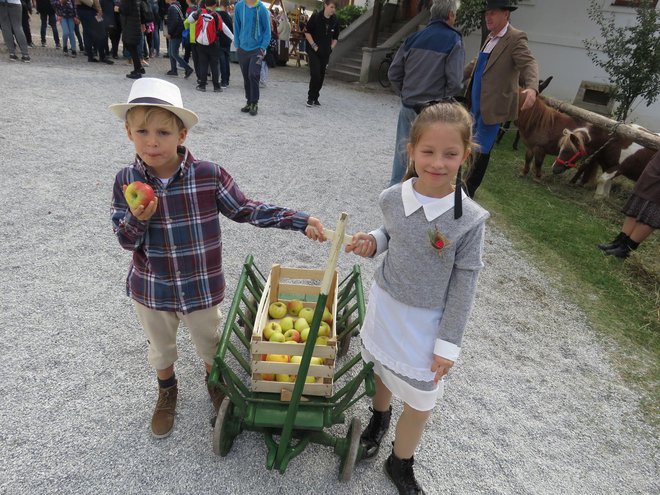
[
  {"x": 208, "y": 55},
  {"x": 317, "y": 64},
  {"x": 49, "y": 19},
  {"x": 135, "y": 56},
  {"x": 477, "y": 173}
]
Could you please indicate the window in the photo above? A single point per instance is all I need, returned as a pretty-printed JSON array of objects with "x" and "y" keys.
[{"x": 633, "y": 3}]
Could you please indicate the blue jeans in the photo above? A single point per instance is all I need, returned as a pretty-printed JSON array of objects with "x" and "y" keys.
[
  {"x": 175, "y": 56},
  {"x": 400, "y": 161},
  {"x": 68, "y": 32}
]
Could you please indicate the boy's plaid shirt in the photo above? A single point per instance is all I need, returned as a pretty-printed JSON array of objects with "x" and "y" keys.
[{"x": 177, "y": 254}]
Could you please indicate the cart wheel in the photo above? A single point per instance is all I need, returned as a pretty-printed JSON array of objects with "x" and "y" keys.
[
  {"x": 222, "y": 438},
  {"x": 353, "y": 434}
]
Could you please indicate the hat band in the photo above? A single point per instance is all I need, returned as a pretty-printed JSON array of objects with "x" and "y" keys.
[{"x": 149, "y": 99}]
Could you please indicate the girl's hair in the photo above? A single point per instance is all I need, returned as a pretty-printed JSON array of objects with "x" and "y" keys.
[
  {"x": 150, "y": 113},
  {"x": 453, "y": 114},
  {"x": 328, "y": 2}
]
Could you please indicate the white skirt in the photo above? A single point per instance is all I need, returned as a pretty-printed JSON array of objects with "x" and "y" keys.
[{"x": 399, "y": 340}]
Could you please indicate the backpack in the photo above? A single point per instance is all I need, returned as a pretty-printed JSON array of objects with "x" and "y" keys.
[{"x": 206, "y": 28}]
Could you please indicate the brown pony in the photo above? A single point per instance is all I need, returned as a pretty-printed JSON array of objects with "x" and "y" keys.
[
  {"x": 615, "y": 155},
  {"x": 541, "y": 127}
]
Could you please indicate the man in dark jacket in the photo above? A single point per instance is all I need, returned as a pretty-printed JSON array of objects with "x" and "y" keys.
[
  {"x": 131, "y": 33},
  {"x": 321, "y": 32},
  {"x": 428, "y": 66}
]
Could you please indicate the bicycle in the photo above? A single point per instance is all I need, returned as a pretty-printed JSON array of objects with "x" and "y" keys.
[{"x": 383, "y": 68}]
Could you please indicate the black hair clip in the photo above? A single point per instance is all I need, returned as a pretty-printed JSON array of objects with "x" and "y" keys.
[{"x": 447, "y": 99}]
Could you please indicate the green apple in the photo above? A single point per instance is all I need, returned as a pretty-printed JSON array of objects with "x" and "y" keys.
[
  {"x": 271, "y": 328},
  {"x": 292, "y": 335},
  {"x": 314, "y": 360},
  {"x": 277, "y": 310},
  {"x": 294, "y": 307},
  {"x": 301, "y": 324},
  {"x": 281, "y": 377},
  {"x": 286, "y": 323},
  {"x": 296, "y": 359},
  {"x": 324, "y": 329},
  {"x": 304, "y": 333},
  {"x": 307, "y": 313},
  {"x": 327, "y": 316},
  {"x": 322, "y": 340},
  {"x": 276, "y": 337},
  {"x": 310, "y": 379}
]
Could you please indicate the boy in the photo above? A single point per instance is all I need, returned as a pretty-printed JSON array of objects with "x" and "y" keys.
[{"x": 176, "y": 273}]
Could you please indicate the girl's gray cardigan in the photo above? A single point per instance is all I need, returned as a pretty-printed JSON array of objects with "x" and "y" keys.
[{"x": 415, "y": 273}]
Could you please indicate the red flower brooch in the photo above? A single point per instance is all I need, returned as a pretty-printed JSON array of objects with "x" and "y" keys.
[{"x": 438, "y": 240}]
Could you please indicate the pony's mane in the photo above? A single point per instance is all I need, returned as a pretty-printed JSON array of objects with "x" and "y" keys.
[
  {"x": 539, "y": 116},
  {"x": 581, "y": 134}
]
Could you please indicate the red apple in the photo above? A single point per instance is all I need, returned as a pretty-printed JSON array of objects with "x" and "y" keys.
[
  {"x": 293, "y": 335},
  {"x": 294, "y": 307},
  {"x": 327, "y": 316},
  {"x": 139, "y": 194}
]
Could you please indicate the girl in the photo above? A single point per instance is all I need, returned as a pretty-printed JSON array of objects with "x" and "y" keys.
[
  {"x": 423, "y": 290},
  {"x": 65, "y": 10}
]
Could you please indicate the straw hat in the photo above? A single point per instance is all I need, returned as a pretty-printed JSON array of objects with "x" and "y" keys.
[{"x": 153, "y": 92}]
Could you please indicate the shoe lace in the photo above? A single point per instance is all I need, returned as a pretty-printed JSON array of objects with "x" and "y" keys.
[
  {"x": 408, "y": 477},
  {"x": 165, "y": 399}
]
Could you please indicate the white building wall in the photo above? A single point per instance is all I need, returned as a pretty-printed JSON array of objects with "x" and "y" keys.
[{"x": 556, "y": 30}]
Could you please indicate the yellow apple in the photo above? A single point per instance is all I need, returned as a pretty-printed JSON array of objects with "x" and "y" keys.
[
  {"x": 324, "y": 329},
  {"x": 277, "y": 309},
  {"x": 322, "y": 340},
  {"x": 310, "y": 379},
  {"x": 301, "y": 324},
  {"x": 276, "y": 337},
  {"x": 308, "y": 314},
  {"x": 271, "y": 328},
  {"x": 277, "y": 358},
  {"x": 286, "y": 323},
  {"x": 304, "y": 334},
  {"x": 281, "y": 377}
]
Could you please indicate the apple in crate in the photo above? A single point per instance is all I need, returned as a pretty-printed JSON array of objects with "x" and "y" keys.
[
  {"x": 304, "y": 334},
  {"x": 292, "y": 335},
  {"x": 139, "y": 194},
  {"x": 281, "y": 377},
  {"x": 327, "y": 316},
  {"x": 294, "y": 307},
  {"x": 324, "y": 330},
  {"x": 277, "y": 358},
  {"x": 271, "y": 328},
  {"x": 269, "y": 377},
  {"x": 314, "y": 360},
  {"x": 301, "y": 324},
  {"x": 307, "y": 313},
  {"x": 277, "y": 310},
  {"x": 286, "y": 323},
  {"x": 276, "y": 337},
  {"x": 322, "y": 340}
]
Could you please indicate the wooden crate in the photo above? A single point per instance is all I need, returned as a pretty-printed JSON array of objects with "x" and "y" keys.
[{"x": 286, "y": 284}]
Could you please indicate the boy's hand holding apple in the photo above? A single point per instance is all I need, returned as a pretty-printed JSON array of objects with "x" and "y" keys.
[
  {"x": 141, "y": 200},
  {"x": 362, "y": 245}
]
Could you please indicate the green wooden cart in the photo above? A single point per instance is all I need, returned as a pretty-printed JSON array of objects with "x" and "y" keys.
[{"x": 289, "y": 423}]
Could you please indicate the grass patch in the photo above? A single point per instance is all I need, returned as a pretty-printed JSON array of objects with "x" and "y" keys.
[{"x": 559, "y": 225}]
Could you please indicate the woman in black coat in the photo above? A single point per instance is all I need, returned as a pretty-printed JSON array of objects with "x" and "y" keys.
[{"x": 132, "y": 28}]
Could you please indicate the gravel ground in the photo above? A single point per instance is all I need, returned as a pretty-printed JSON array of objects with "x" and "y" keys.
[{"x": 533, "y": 406}]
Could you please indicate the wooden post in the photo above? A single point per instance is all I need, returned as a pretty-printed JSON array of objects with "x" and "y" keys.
[{"x": 645, "y": 138}]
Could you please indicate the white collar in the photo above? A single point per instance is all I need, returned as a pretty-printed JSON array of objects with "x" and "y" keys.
[
  {"x": 501, "y": 33},
  {"x": 432, "y": 210}
]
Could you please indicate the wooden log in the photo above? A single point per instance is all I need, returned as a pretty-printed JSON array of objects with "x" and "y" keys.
[{"x": 645, "y": 138}]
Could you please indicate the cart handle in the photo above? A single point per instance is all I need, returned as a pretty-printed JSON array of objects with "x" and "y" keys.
[{"x": 337, "y": 235}]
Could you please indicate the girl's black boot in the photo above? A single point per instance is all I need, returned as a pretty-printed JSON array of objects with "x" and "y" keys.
[
  {"x": 615, "y": 243},
  {"x": 400, "y": 472},
  {"x": 624, "y": 249},
  {"x": 374, "y": 432}
]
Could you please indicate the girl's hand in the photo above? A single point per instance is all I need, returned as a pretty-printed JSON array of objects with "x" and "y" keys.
[
  {"x": 441, "y": 367},
  {"x": 363, "y": 245},
  {"x": 141, "y": 213},
  {"x": 314, "y": 230}
]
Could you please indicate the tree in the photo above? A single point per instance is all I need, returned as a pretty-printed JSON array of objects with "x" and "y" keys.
[{"x": 630, "y": 55}]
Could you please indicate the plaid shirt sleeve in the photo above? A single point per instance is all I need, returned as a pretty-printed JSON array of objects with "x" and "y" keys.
[{"x": 177, "y": 254}]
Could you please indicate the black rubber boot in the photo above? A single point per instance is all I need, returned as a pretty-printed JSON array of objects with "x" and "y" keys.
[
  {"x": 615, "y": 243},
  {"x": 400, "y": 472},
  {"x": 624, "y": 249},
  {"x": 374, "y": 432},
  {"x": 477, "y": 173}
]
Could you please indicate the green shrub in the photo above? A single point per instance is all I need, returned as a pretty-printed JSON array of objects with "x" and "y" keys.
[{"x": 348, "y": 14}]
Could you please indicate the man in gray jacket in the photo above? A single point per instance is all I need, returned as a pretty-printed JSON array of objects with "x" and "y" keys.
[{"x": 428, "y": 66}]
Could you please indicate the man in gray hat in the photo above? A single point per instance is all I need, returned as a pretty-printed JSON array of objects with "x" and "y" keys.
[{"x": 503, "y": 61}]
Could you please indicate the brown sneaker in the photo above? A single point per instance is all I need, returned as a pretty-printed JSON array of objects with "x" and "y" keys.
[
  {"x": 162, "y": 421},
  {"x": 216, "y": 395}
]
